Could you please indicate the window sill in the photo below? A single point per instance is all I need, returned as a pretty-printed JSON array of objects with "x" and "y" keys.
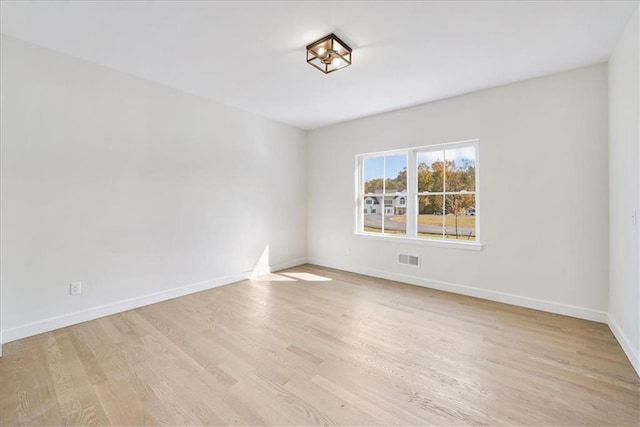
[{"x": 470, "y": 246}]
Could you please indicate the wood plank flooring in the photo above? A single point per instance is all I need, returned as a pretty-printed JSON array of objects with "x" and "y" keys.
[{"x": 312, "y": 345}]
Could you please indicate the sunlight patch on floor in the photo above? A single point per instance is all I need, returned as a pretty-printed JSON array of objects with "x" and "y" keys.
[
  {"x": 273, "y": 277},
  {"x": 307, "y": 277},
  {"x": 290, "y": 277}
]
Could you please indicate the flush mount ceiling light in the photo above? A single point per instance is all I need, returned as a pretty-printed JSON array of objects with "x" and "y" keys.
[{"x": 329, "y": 54}]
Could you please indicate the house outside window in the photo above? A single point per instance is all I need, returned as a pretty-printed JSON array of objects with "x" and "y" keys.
[{"x": 428, "y": 194}]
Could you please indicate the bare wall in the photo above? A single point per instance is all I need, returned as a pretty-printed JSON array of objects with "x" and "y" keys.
[
  {"x": 134, "y": 189},
  {"x": 624, "y": 190},
  {"x": 543, "y": 185}
]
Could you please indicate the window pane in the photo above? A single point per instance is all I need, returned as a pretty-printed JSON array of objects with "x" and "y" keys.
[
  {"x": 372, "y": 221},
  {"x": 395, "y": 224},
  {"x": 373, "y": 171},
  {"x": 430, "y": 218},
  {"x": 371, "y": 205},
  {"x": 429, "y": 165},
  {"x": 461, "y": 169},
  {"x": 395, "y": 212},
  {"x": 460, "y": 220},
  {"x": 395, "y": 173}
]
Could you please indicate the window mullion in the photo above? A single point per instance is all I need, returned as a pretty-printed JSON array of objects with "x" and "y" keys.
[
  {"x": 444, "y": 195},
  {"x": 384, "y": 191},
  {"x": 412, "y": 198},
  {"x": 360, "y": 194}
]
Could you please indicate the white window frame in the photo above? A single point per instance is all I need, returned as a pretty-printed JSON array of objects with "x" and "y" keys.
[{"x": 412, "y": 197}]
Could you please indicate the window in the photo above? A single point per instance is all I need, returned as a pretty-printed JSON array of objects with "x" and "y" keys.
[
  {"x": 425, "y": 193},
  {"x": 384, "y": 177}
]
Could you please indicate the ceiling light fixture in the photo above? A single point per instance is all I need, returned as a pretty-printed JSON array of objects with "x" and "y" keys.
[{"x": 329, "y": 54}]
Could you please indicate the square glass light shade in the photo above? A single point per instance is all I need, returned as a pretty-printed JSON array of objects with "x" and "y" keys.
[{"x": 329, "y": 54}]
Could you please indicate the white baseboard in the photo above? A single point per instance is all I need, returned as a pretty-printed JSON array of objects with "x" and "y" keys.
[
  {"x": 52, "y": 323},
  {"x": 277, "y": 267},
  {"x": 534, "y": 303},
  {"x": 631, "y": 352}
]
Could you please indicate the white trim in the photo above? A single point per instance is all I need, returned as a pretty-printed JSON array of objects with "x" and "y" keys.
[
  {"x": 444, "y": 243},
  {"x": 478, "y": 209},
  {"x": 521, "y": 301},
  {"x": 288, "y": 264},
  {"x": 411, "y": 211},
  {"x": 52, "y": 323},
  {"x": 277, "y": 267},
  {"x": 632, "y": 354}
]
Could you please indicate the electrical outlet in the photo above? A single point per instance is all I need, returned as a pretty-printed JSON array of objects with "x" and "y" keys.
[{"x": 75, "y": 288}]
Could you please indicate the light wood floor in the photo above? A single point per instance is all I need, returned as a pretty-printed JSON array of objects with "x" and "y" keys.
[{"x": 351, "y": 350}]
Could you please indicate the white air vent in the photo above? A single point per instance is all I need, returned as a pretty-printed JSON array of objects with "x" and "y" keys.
[{"x": 407, "y": 259}]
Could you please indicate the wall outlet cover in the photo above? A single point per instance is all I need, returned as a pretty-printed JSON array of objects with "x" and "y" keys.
[{"x": 75, "y": 288}]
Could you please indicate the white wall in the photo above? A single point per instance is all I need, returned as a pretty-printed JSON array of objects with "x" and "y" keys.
[
  {"x": 624, "y": 190},
  {"x": 543, "y": 184},
  {"x": 133, "y": 188}
]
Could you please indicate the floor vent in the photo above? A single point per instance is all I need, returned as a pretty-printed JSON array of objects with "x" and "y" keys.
[{"x": 413, "y": 260}]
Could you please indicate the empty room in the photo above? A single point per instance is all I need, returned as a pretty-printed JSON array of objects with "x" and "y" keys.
[{"x": 276, "y": 213}]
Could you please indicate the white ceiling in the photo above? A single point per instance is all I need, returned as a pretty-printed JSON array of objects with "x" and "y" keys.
[{"x": 252, "y": 54}]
